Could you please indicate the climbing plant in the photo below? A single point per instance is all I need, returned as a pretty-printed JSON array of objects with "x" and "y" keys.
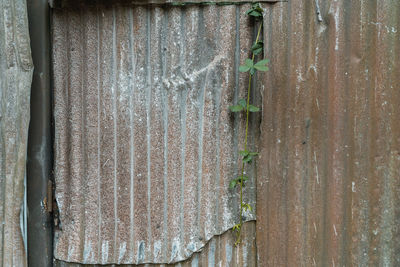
[{"x": 243, "y": 105}]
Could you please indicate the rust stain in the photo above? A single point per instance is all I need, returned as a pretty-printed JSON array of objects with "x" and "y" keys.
[
  {"x": 144, "y": 142},
  {"x": 328, "y": 190},
  {"x": 219, "y": 251}
]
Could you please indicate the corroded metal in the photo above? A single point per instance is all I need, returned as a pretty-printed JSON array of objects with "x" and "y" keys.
[
  {"x": 328, "y": 191},
  {"x": 39, "y": 162},
  {"x": 15, "y": 78},
  {"x": 145, "y": 145},
  {"x": 219, "y": 251},
  {"x": 74, "y": 3}
]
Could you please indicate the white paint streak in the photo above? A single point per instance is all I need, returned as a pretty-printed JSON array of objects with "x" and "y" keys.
[
  {"x": 316, "y": 167},
  {"x": 87, "y": 250},
  {"x": 104, "y": 251},
  {"x": 122, "y": 251},
  {"x": 157, "y": 248}
]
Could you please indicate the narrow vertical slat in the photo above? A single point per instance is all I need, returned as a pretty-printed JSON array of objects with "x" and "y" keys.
[
  {"x": 107, "y": 118},
  {"x": 157, "y": 129},
  {"x": 140, "y": 133}
]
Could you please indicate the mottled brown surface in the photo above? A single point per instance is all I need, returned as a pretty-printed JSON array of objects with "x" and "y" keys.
[
  {"x": 219, "y": 251},
  {"x": 329, "y": 175},
  {"x": 15, "y": 79},
  {"x": 74, "y": 3},
  {"x": 145, "y": 146}
]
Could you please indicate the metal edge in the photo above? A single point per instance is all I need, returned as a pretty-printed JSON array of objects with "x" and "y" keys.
[
  {"x": 73, "y": 3},
  {"x": 39, "y": 162}
]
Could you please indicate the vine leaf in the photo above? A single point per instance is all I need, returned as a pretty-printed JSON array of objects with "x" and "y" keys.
[
  {"x": 236, "y": 227},
  {"x": 247, "y": 206},
  {"x": 257, "y": 48},
  {"x": 248, "y": 66},
  {"x": 239, "y": 107},
  {"x": 262, "y": 65},
  {"x": 242, "y": 102},
  {"x": 248, "y": 156},
  {"x": 253, "y": 108},
  {"x": 236, "y": 108},
  {"x": 255, "y": 11},
  {"x": 241, "y": 180},
  {"x": 232, "y": 184}
]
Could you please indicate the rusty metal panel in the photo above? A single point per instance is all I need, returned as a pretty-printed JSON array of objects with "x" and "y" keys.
[
  {"x": 145, "y": 146},
  {"x": 219, "y": 251},
  {"x": 74, "y": 3},
  {"x": 328, "y": 190},
  {"x": 15, "y": 79}
]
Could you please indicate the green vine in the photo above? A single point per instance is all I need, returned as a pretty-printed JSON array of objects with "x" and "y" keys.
[{"x": 244, "y": 105}]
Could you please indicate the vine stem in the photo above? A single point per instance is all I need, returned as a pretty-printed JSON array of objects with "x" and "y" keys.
[{"x": 238, "y": 240}]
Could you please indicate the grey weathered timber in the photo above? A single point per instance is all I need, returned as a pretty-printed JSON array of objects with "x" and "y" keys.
[{"x": 15, "y": 80}]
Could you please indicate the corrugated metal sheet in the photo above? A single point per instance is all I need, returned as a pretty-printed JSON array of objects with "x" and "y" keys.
[
  {"x": 145, "y": 144},
  {"x": 72, "y": 3},
  {"x": 328, "y": 191},
  {"x": 15, "y": 79},
  {"x": 219, "y": 251}
]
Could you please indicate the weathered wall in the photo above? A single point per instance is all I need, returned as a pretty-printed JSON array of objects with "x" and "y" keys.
[
  {"x": 328, "y": 191},
  {"x": 15, "y": 80},
  {"x": 145, "y": 145},
  {"x": 219, "y": 251}
]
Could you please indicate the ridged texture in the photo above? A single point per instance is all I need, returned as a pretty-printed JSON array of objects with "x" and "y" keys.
[
  {"x": 15, "y": 79},
  {"x": 72, "y": 3},
  {"x": 145, "y": 145},
  {"x": 219, "y": 251},
  {"x": 328, "y": 191}
]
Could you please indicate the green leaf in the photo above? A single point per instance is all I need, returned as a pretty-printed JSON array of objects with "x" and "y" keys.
[
  {"x": 262, "y": 65},
  {"x": 252, "y": 71},
  {"x": 257, "y": 51},
  {"x": 232, "y": 184},
  {"x": 253, "y": 108},
  {"x": 243, "y": 152},
  {"x": 253, "y": 153},
  {"x": 248, "y": 62},
  {"x": 239, "y": 179},
  {"x": 255, "y": 11},
  {"x": 257, "y": 48},
  {"x": 248, "y": 158},
  {"x": 244, "y": 68},
  {"x": 247, "y": 206},
  {"x": 242, "y": 102},
  {"x": 236, "y": 108},
  {"x": 236, "y": 227}
]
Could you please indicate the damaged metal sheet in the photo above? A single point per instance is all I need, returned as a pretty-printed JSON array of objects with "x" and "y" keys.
[
  {"x": 75, "y": 3},
  {"x": 219, "y": 251},
  {"x": 15, "y": 79},
  {"x": 328, "y": 191},
  {"x": 145, "y": 146}
]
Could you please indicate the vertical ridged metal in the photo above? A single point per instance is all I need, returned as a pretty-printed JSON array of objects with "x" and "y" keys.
[
  {"x": 219, "y": 251},
  {"x": 329, "y": 174},
  {"x": 145, "y": 145},
  {"x": 15, "y": 79}
]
